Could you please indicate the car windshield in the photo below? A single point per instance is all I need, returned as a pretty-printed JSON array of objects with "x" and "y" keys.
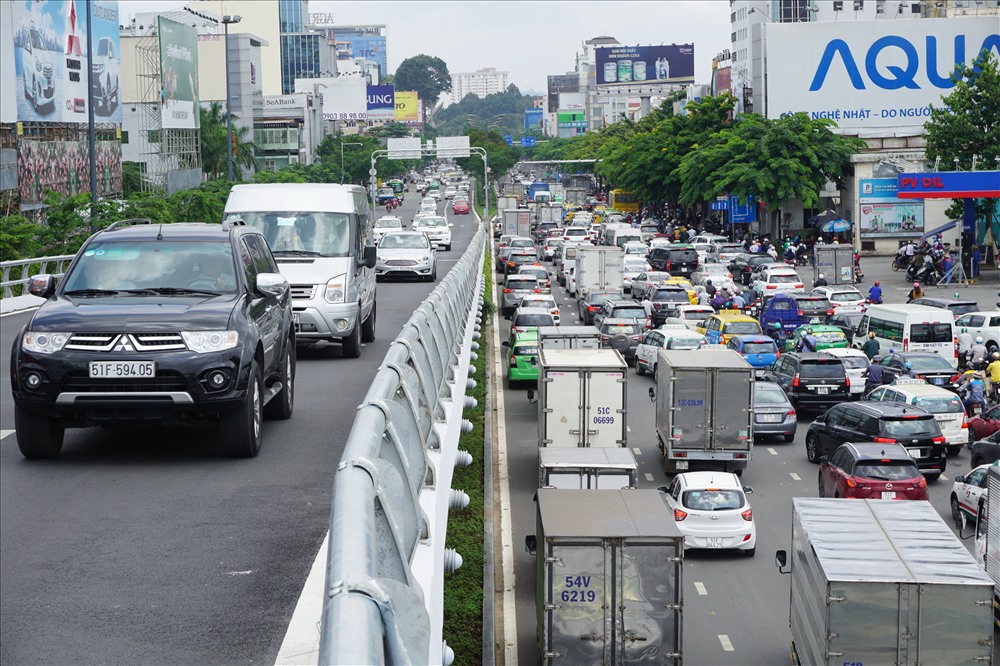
[
  {"x": 123, "y": 266},
  {"x": 961, "y": 309},
  {"x": 532, "y": 302},
  {"x": 830, "y": 337},
  {"x": 532, "y": 319},
  {"x": 522, "y": 242},
  {"x": 526, "y": 350},
  {"x": 403, "y": 241},
  {"x": 674, "y": 296},
  {"x": 619, "y": 329},
  {"x": 783, "y": 279},
  {"x": 515, "y": 284},
  {"x": 759, "y": 348},
  {"x": 768, "y": 396},
  {"x": 924, "y": 363},
  {"x": 741, "y": 328},
  {"x": 629, "y": 313},
  {"x": 712, "y": 500},
  {"x": 845, "y": 296},
  {"x": 911, "y": 427},
  {"x": 389, "y": 223},
  {"x": 822, "y": 368},
  {"x": 942, "y": 404},
  {"x": 854, "y": 362},
  {"x": 433, "y": 222},
  {"x": 684, "y": 343},
  {"x": 310, "y": 233},
  {"x": 894, "y": 470},
  {"x": 649, "y": 229},
  {"x": 813, "y": 303}
]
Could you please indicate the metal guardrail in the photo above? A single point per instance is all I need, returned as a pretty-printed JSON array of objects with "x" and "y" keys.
[
  {"x": 392, "y": 491},
  {"x": 20, "y": 283}
]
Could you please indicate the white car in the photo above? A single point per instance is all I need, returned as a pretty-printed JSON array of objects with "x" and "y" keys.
[
  {"x": 434, "y": 194},
  {"x": 982, "y": 324},
  {"x": 708, "y": 238},
  {"x": 429, "y": 201},
  {"x": 643, "y": 281},
  {"x": 545, "y": 301},
  {"x": 690, "y": 316},
  {"x": 717, "y": 273},
  {"x": 633, "y": 247},
  {"x": 843, "y": 299},
  {"x": 704, "y": 251},
  {"x": 576, "y": 234},
  {"x": 711, "y": 511},
  {"x": 677, "y": 336},
  {"x": 632, "y": 266},
  {"x": 777, "y": 279},
  {"x": 659, "y": 242},
  {"x": 385, "y": 224},
  {"x": 449, "y": 193},
  {"x": 966, "y": 493},
  {"x": 855, "y": 364},
  {"x": 437, "y": 228}
]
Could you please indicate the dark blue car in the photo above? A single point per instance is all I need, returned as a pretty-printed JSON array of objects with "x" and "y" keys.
[{"x": 759, "y": 351}]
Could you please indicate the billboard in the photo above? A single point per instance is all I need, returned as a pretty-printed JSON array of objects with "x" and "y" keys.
[
  {"x": 631, "y": 65},
  {"x": 381, "y": 103},
  {"x": 569, "y": 119},
  {"x": 285, "y": 106},
  {"x": 407, "y": 107},
  {"x": 883, "y": 214},
  {"x": 533, "y": 119},
  {"x": 8, "y": 103},
  {"x": 868, "y": 75},
  {"x": 64, "y": 166},
  {"x": 50, "y": 60},
  {"x": 179, "y": 101},
  {"x": 360, "y": 41}
]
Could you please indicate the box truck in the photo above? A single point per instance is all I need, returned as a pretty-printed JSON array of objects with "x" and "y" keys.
[
  {"x": 988, "y": 535},
  {"x": 608, "y": 578},
  {"x": 598, "y": 267},
  {"x": 704, "y": 409},
  {"x": 587, "y": 469},
  {"x": 582, "y": 396},
  {"x": 517, "y": 221},
  {"x": 569, "y": 337},
  {"x": 883, "y": 582}
]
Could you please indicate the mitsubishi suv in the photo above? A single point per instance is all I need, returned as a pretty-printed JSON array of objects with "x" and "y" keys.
[{"x": 177, "y": 324}]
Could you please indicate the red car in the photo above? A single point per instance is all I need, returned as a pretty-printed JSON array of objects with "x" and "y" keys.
[
  {"x": 983, "y": 425},
  {"x": 871, "y": 471},
  {"x": 460, "y": 208}
]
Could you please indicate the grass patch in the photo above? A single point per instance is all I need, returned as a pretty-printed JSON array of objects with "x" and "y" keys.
[{"x": 463, "y": 590}]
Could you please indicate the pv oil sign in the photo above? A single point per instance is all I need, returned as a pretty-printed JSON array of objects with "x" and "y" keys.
[
  {"x": 870, "y": 74},
  {"x": 382, "y": 103}
]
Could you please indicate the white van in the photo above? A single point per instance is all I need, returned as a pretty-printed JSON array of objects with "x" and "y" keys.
[
  {"x": 915, "y": 328},
  {"x": 946, "y": 406},
  {"x": 321, "y": 236}
]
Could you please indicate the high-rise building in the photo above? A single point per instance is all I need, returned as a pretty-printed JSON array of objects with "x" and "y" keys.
[{"x": 480, "y": 83}]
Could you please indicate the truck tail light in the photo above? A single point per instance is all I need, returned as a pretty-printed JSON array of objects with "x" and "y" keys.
[
  {"x": 747, "y": 515},
  {"x": 906, "y": 344},
  {"x": 679, "y": 515},
  {"x": 884, "y": 440},
  {"x": 795, "y": 381},
  {"x": 955, "y": 343}
]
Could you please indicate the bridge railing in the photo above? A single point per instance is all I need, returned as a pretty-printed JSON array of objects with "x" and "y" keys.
[
  {"x": 14, "y": 274},
  {"x": 392, "y": 490}
]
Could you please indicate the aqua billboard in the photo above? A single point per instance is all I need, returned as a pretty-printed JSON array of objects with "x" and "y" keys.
[{"x": 533, "y": 119}]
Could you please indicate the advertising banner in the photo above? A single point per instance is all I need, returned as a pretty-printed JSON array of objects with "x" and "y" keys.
[
  {"x": 949, "y": 185},
  {"x": 381, "y": 103},
  {"x": 64, "y": 166},
  {"x": 866, "y": 75},
  {"x": 631, "y": 65},
  {"x": 723, "y": 81},
  {"x": 179, "y": 101},
  {"x": 883, "y": 214},
  {"x": 51, "y": 60},
  {"x": 407, "y": 107},
  {"x": 533, "y": 119},
  {"x": 360, "y": 41},
  {"x": 568, "y": 119}
]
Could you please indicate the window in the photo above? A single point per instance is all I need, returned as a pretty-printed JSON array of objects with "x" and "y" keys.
[
  {"x": 890, "y": 330},
  {"x": 879, "y": 470},
  {"x": 911, "y": 427},
  {"x": 931, "y": 333},
  {"x": 124, "y": 137}
]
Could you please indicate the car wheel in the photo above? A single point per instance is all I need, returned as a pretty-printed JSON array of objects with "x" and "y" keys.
[
  {"x": 956, "y": 513},
  {"x": 788, "y": 438},
  {"x": 639, "y": 370},
  {"x": 38, "y": 436},
  {"x": 351, "y": 345},
  {"x": 977, "y": 461},
  {"x": 954, "y": 450},
  {"x": 282, "y": 405},
  {"x": 836, "y": 494},
  {"x": 368, "y": 326},
  {"x": 932, "y": 477},
  {"x": 819, "y": 485},
  {"x": 240, "y": 429},
  {"x": 750, "y": 552},
  {"x": 811, "y": 453}
]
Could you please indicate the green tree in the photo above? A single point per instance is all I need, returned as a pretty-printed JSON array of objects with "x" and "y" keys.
[
  {"x": 19, "y": 238},
  {"x": 214, "y": 144},
  {"x": 131, "y": 178},
  {"x": 428, "y": 75}
]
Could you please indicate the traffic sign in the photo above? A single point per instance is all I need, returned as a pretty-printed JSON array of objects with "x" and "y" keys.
[
  {"x": 527, "y": 141},
  {"x": 372, "y": 172}
]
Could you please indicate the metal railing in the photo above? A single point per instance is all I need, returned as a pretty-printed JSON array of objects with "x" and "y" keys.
[
  {"x": 18, "y": 286},
  {"x": 392, "y": 492}
]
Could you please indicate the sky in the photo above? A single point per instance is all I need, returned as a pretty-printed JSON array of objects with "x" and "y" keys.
[{"x": 530, "y": 40}]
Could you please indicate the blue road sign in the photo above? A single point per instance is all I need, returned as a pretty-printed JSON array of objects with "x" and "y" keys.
[
  {"x": 742, "y": 211},
  {"x": 527, "y": 141}
]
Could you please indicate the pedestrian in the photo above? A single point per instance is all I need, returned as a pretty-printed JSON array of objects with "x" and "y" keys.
[
  {"x": 977, "y": 256},
  {"x": 915, "y": 293},
  {"x": 871, "y": 347},
  {"x": 873, "y": 376}
]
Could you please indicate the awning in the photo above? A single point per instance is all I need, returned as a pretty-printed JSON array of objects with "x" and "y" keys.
[{"x": 940, "y": 230}]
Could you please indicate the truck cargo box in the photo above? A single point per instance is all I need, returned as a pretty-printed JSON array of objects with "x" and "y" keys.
[
  {"x": 587, "y": 469},
  {"x": 582, "y": 396},
  {"x": 569, "y": 337}
]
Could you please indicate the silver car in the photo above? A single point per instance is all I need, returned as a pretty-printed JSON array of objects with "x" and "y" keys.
[
  {"x": 405, "y": 254},
  {"x": 773, "y": 414}
]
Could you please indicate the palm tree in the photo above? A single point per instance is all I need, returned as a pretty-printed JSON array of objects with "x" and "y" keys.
[{"x": 214, "y": 145}]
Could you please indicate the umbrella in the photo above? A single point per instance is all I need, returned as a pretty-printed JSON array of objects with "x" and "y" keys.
[
  {"x": 822, "y": 218},
  {"x": 836, "y": 226}
]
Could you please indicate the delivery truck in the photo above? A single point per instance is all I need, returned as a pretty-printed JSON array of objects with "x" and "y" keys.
[
  {"x": 575, "y": 196},
  {"x": 883, "y": 582},
  {"x": 517, "y": 221},
  {"x": 587, "y": 469},
  {"x": 582, "y": 396},
  {"x": 598, "y": 267},
  {"x": 988, "y": 535},
  {"x": 835, "y": 263},
  {"x": 704, "y": 410},
  {"x": 569, "y": 337},
  {"x": 608, "y": 578}
]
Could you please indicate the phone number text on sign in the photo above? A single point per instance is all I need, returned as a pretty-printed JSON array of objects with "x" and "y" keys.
[{"x": 345, "y": 116}]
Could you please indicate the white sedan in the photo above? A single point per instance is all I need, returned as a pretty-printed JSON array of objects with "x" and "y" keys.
[
  {"x": 677, "y": 336},
  {"x": 843, "y": 299},
  {"x": 711, "y": 511},
  {"x": 717, "y": 273},
  {"x": 777, "y": 279},
  {"x": 966, "y": 492},
  {"x": 546, "y": 301}
]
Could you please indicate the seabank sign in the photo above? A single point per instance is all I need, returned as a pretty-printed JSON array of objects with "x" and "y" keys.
[{"x": 870, "y": 75}]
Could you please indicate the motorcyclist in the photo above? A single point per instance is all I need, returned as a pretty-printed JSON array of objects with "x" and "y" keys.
[
  {"x": 871, "y": 346},
  {"x": 807, "y": 341},
  {"x": 978, "y": 353},
  {"x": 915, "y": 293},
  {"x": 975, "y": 394},
  {"x": 820, "y": 281},
  {"x": 875, "y": 293},
  {"x": 908, "y": 371},
  {"x": 710, "y": 288},
  {"x": 873, "y": 376},
  {"x": 993, "y": 373},
  {"x": 964, "y": 347}
]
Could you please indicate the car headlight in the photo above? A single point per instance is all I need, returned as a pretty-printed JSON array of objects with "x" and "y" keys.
[
  {"x": 336, "y": 289},
  {"x": 202, "y": 342},
  {"x": 44, "y": 342}
]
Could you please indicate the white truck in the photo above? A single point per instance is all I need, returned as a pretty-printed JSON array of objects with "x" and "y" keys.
[
  {"x": 704, "y": 409},
  {"x": 582, "y": 398},
  {"x": 587, "y": 469},
  {"x": 517, "y": 221},
  {"x": 988, "y": 535},
  {"x": 598, "y": 267},
  {"x": 575, "y": 196},
  {"x": 569, "y": 337},
  {"x": 558, "y": 192}
]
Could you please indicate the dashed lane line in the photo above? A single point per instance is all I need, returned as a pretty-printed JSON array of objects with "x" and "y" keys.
[
  {"x": 649, "y": 477},
  {"x": 5, "y": 433},
  {"x": 772, "y": 451},
  {"x": 727, "y": 644},
  {"x": 795, "y": 477},
  {"x": 637, "y": 451},
  {"x": 701, "y": 588}
]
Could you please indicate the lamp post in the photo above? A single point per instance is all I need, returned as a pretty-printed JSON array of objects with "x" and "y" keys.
[
  {"x": 226, "y": 20},
  {"x": 342, "y": 144}
]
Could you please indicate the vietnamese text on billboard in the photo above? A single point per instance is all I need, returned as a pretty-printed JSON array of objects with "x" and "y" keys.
[
  {"x": 51, "y": 60},
  {"x": 179, "y": 101},
  {"x": 630, "y": 65},
  {"x": 870, "y": 74}
]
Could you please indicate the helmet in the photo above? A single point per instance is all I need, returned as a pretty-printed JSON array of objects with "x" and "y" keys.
[
  {"x": 871, "y": 334},
  {"x": 979, "y": 339},
  {"x": 821, "y": 277},
  {"x": 802, "y": 333},
  {"x": 996, "y": 356},
  {"x": 907, "y": 365},
  {"x": 916, "y": 285},
  {"x": 876, "y": 283},
  {"x": 809, "y": 330}
]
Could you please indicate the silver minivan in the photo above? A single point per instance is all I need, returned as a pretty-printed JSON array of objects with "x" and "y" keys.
[{"x": 321, "y": 235}]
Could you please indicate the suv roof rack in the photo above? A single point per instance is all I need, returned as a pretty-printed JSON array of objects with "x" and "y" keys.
[
  {"x": 128, "y": 222},
  {"x": 231, "y": 222}
]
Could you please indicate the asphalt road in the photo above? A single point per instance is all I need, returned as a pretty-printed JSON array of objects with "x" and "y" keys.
[
  {"x": 736, "y": 608},
  {"x": 148, "y": 546}
]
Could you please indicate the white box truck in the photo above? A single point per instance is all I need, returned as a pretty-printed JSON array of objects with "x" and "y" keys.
[
  {"x": 582, "y": 397},
  {"x": 598, "y": 267},
  {"x": 883, "y": 582},
  {"x": 704, "y": 409},
  {"x": 587, "y": 469},
  {"x": 608, "y": 578},
  {"x": 517, "y": 221},
  {"x": 988, "y": 535},
  {"x": 569, "y": 337}
]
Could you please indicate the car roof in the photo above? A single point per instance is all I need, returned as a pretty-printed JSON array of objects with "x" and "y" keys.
[
  {"x": 141, "y": 230},
  {"x": 873, "y": 450},
  {"x": 728, "y": 318},
  {"x": 919, "y": 388},
  {"x": 847, "y": 351},
  {"x": 821, "y": 328},
  {"x": 948, "y": 301},
  {"x": 530, "y": 335},
  {"x": 753, "y": 338},
  {"x": 617, "y": 321},
  {"x": 404, "y": 232},
  {"x": 539, "y": 311},
  {"x": 723, "y": 480},
  {"x": 519, "y": 276},
  {"x": 890, "y": 409}
]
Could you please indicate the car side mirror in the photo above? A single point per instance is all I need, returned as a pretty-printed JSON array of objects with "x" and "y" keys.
[
  {"x": 663, "y": 490},
  {"x": 781, "y": 560},
  {"x": 748, "y": 490},
  {"x": 960, "y": 478},
  {"x": 823, "y": 460},
  {"x": 507, "y": 317},
  {"x": 451, "y": 224},
  {"x": 42, "y": 285},
  {"x": 505, "y": 343},
  {"x": 531, "y": 544},
  {"x": 369, "y": 258},
  {"x": 271, "y": 284},
  {"x": 531, "y": 392}
]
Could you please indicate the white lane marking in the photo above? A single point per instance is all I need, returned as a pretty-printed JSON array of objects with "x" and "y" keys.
[
  {"x": 795, "y": 477},
  {"x": 5, "y": 433},
  {"x": 943, "y": 477},
  {"x": 628, "y": 428},
  {"x": 701, "y": 588},
  {"x": 772, "y": 451},
  {"x": 239, "y": 573},
  {"x": 649, "y": 477},
  {"x": 637, "y": 451},
  {"x": 727, "y": 644},
  {"x": 301, "y": 643}
]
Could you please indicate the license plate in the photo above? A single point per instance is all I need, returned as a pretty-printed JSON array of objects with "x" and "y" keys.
[
  {"x": 682, "y": 464},
  {"x": 122, "y": 369},
  {"x": 770, "y": 418},
  {"x": 815, "y": 320},
  {"x": 915, "y": 453},
  {"x": 822, "y": 390},
  {"x": 939, "y": 380},
  {"x": 714, "y": 542},
  {"x": 888, "y": 495}
]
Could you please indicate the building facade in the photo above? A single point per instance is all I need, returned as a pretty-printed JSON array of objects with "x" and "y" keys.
[{"x": 480, "y": 83}]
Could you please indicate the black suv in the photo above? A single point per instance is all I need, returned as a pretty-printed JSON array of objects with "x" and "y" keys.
[
  {"x": 675, "y": 259},
  {"x": 591, "y": 304},
  {"x": 883, "y": 423},
  {"x": 183, "y": 324},
  {"x": 811, "y": 380},
  {"x": 664, "y": 301}
]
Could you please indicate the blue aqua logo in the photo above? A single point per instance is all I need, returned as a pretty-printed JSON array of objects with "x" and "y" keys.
[{"x": 896, "y": 77}]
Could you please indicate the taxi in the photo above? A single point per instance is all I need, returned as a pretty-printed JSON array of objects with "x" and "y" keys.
[
  {"x": 720, "y": 328},
  {"x": 681, "y": 281},
  {"x": 522, "y": 357},
  {"x": 827, "y": 337}
]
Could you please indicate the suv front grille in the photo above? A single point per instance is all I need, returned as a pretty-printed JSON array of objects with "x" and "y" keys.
[
  {"x": 400, "y": 262},
  {"x": 303, "y": 292},
  {"x": 141, "y": 342},
  {"x": 81, "y": 383}
]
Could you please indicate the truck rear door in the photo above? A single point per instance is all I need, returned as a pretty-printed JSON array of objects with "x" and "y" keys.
[
  {"x": 579, "y": 590},
  {"x": 648, "y": 628},
  {"x": 604, "y": 415},
  {"x": 692, "y": 397},
  {"x": 561, "y": 418},
  {"x": 732, "y": 410}
]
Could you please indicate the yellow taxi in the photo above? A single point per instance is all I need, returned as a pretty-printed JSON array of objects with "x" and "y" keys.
[
  {"x": 719, "y": 328},
  {"x": 684, "y": 282}
]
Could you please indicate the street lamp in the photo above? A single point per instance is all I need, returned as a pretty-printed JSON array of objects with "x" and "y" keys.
[
  {"x": 226, "y": 20},
  {"x": 342, "y": 144}
]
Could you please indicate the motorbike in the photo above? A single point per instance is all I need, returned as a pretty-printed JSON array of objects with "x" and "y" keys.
[
  {"x": 858, "y": 275},
  {"x": 928, "y": 274},
  {"x": 901, "y": 260}
]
